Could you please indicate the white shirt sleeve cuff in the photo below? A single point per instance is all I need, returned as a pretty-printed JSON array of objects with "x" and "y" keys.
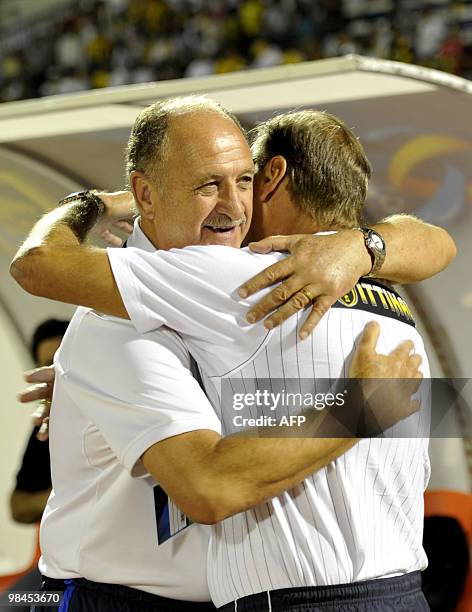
[
  {"x": 131, "y": 456},
  {"x": 130, "y": 294}
]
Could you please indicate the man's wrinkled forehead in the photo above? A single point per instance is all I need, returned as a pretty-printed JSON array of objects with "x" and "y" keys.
[{"x": 205, "y": 138}]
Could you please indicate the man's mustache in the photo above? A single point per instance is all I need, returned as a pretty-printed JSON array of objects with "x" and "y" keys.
[{"x": 223, "y": 222}]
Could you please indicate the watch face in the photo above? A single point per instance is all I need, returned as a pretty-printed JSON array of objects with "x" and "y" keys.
[{"x": 376, "y": 242}]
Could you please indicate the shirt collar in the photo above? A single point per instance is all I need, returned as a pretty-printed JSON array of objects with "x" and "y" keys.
[{"x": 138, "y": 239}]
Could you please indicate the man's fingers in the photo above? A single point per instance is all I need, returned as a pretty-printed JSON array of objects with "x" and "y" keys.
[
  {"x": 418, "y": 380},
  {"x": 410, "y": 385},
  {"x": 125, "y": 226},
  {"x": 410, "y": 408},
  {"x": 403, "y": 349},
  {"x": 111, "y": 239},
  {"x": 414, "y": 361},
  {"x": 287, "y": 310},
  {"x": 369, "y": 338},
  {"x": 278, "y": 296},
  {"x": 320, "y": 308},
  {"x": 43, "y": 433},
  {"x": 36, "y": 392},
  {"x": 299, "y": 301},
  {"x": 37, "y": 416},
  {"x": 272, "y": 243},
  {"x": 40, "y": 375},
  {"x": 274, "y": 273},
  {"x": 42, "y": 412}
]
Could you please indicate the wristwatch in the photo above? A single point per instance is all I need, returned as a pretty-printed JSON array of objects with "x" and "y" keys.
[
  {"x": 84, "y": 196},
  {"x": 375, "y": 244}
]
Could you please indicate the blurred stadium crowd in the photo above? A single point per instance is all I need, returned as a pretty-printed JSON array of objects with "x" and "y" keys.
[{"x": 92, "y": 44}]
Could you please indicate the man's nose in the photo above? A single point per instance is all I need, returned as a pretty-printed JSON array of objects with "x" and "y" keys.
[{"x": 231, "y": 201}]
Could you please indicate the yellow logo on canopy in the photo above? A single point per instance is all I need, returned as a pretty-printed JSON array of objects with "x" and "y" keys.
[{"x": 419, "y": 150}]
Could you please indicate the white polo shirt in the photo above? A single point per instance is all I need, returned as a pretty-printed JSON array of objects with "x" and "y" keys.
[
  {"x": 115, "y": 395},
  {"x": 361, "y": 517}
]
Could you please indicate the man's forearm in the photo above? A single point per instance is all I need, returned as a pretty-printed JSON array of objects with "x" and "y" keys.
[
  {"x": 54, "y": 263},
  {"x": 415, "y": 250},
  {"x": 246, "y": 470},
  {"x": 211, "y": 478},
  {"x": 263, "y": 468},
  {"x": 65, "y": 226},
  {"x": 228, "y": 475}
]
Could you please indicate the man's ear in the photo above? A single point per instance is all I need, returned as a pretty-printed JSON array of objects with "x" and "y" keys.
[
  {"x": 142, "y": 190},
  {"x": 273, "y": 174}
]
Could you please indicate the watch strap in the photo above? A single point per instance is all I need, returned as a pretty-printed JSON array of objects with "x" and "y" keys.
[
  {"x": 377, "y": 251},
  {"x": 85, "y": 196}
]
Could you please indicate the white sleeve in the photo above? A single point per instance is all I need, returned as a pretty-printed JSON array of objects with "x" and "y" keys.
[
  {"x": 191, "y": 290},
  {"x": 137, "y": 390}
]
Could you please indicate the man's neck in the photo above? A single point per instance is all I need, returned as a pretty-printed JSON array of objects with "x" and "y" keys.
[
  {"x": 299, "y": 223},
  {"x": 147, "y": 230}
]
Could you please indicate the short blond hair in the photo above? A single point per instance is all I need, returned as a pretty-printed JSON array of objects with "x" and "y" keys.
[{"x": 326, "y": 164}]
